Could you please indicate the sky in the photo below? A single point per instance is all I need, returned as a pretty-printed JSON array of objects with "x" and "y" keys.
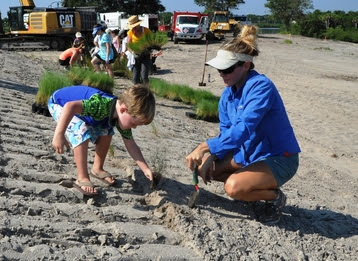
[{"x": 250, "y": 7}]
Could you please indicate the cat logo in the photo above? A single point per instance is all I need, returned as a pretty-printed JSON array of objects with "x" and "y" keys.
[{"x": 66, "y": 20}]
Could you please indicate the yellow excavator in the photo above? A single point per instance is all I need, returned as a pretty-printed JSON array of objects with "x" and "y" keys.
[
  {"x": 221, "y": 24},
  {"x": 46, "y": 28}
]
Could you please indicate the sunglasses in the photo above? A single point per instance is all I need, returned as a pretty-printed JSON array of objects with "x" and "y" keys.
[{"x": 231, "y": 68}]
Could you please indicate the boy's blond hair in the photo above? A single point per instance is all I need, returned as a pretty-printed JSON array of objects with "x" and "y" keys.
[{"x": 140, "y": 102}]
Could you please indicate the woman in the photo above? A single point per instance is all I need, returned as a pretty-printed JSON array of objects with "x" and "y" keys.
[
  {"x": 256, "y": 151},
  {"x": 105, "y": 54},
  {"x": 142, "y": 61},
  {"x": 71, "y": 56},
  {"x": 116, "y": 41}
]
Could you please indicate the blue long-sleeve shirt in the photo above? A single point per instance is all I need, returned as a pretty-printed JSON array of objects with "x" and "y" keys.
[{"x": 253, "y": 123}]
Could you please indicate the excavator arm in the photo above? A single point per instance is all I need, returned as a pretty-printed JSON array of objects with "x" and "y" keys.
[{"x": 27, "y": 2}]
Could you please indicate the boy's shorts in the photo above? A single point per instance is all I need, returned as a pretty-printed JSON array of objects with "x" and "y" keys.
[
  {"x": 283, "y": 167},
  {"x": 77, "y": 130}
]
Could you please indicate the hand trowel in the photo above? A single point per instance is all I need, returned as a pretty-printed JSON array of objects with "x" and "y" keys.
[{"x": 194, "y": 195}]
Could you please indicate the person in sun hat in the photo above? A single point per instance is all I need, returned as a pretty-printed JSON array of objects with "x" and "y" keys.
[
  {"x": 105, "y": 54},
  {"x": 79, "y": 39},
  {"x": 256, "y": 151},
  {"x": 143, "y": 61},
  {"x": 85, "y": 114}
]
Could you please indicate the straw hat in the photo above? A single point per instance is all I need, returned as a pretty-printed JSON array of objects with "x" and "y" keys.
[{"x": 133, "y": 21}]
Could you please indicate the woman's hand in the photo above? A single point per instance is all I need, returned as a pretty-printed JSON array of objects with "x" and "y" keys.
[
  {"x": 195, "y": 157},
  {"x": 205, "y": 171}
]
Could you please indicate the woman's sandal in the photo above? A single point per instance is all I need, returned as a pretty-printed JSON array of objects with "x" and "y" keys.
[{"x": 79, "y": 184}]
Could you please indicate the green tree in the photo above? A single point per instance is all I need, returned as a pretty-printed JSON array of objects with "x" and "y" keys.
[
  {"x": 165, "y": 17},
  {"x": 219, "y": 5},
  {"x": 129, "y": 6},
  {"x": 288, "y": 10},
  {"x": 313, "y": 24}
]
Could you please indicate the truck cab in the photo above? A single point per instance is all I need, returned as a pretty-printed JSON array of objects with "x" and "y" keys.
[{"x": 188, "y": 26}]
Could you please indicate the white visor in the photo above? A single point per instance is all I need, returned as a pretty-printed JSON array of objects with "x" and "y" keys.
[{"x": 225, "y": 59}]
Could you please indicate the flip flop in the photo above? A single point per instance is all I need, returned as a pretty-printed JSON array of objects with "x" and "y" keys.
[
  {"x": 102, "y": 177},
  {"x": 79, "y": 184}
]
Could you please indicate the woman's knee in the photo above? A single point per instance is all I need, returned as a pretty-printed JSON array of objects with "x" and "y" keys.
[{"x": 235, "y": 189}]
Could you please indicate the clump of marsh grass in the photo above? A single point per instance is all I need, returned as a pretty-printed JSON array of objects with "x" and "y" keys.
[
  {"x": 158, "y": 160},
  {"x": 120, "y": 67},
  {"x": 50, "y": 82},
  {"x": 148, "y": 42},
  {"x": 87, "y": 77},
  {"x": 206, "y": 104},
  {"x": 77, "y": 74},
  {"x": 100, "y": 81},
  {"x": 206, "y": 109}
]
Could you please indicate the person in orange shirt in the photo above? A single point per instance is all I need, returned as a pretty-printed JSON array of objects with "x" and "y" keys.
[
  {"x": 142, "y": 61},
  {"x": 71, "y": 56}
]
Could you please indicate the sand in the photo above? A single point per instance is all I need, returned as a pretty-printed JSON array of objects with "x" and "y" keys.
[{"x": 41, "y": 220}]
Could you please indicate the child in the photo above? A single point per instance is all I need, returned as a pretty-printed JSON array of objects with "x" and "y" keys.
[{"x": 84, "y": 113}]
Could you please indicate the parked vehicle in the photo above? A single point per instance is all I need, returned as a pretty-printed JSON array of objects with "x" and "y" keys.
[
  {"x": 34, "y": 27},
  {"x": 219, "y": 25},
  {"x": 188, "y": 26},
  {"x": 119, "y": 20}
]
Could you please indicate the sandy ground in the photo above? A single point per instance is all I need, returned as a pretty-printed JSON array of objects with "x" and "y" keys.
[{"x": 41, "y": 220}]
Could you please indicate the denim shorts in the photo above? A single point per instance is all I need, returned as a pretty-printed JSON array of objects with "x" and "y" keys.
[
  {"x": 77, "y": 130},
  {"x": 283, "y": 167}
]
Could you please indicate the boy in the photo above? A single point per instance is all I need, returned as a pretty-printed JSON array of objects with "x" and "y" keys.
[{"x": 84, "y": 113}]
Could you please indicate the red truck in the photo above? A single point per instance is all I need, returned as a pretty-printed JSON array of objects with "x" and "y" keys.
[{"x": 188, "y": 26}]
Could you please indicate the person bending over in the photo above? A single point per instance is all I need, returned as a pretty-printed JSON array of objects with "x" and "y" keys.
[
  {"x": 72, "y": 55},
  {"x": 105, "y": 53},
  {"x": 85, "y": 114}
]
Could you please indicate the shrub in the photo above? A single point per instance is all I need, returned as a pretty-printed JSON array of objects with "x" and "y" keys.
[{"x": 340, "y": 34}]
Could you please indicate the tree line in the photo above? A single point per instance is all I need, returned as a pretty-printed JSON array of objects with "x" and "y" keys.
[{"x": 293, "y": 16}]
